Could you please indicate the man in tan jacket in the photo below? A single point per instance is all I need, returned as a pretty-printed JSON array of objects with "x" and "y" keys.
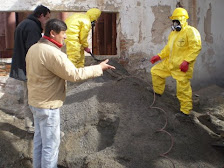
[{"x": 48, "y": 68}]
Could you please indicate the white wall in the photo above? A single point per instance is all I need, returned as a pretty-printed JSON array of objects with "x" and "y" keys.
[
  {"x": 144, "y": 25},
  {"x": 210, "y": 62}
]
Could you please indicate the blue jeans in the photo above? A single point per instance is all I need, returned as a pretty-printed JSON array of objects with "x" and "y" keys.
[{"x": 46, "y": 137}]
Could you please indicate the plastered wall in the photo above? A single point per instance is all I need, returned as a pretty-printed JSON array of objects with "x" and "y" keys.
[
  {"x": 143, "y": 27},
  {"x": 210, "y": 67}
]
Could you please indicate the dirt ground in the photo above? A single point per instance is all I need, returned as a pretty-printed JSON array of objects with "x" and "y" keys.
[{"x": 117, "y": 121}]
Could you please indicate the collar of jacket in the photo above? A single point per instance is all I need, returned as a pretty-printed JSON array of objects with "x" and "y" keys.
[
  {"x": 33, "y": 18},
  {"x": 46, "y": 41},
  {"x": 53, "y": 41}
]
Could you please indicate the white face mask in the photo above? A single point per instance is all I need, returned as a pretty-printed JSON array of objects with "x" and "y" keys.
[{"x": 176, "y": 25}]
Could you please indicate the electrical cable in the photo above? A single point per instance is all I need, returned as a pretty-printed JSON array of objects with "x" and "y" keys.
[{"x": 163, "y": 130}]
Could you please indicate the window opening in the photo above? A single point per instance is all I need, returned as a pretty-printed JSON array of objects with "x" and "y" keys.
[{"x": 104, "y": 35}]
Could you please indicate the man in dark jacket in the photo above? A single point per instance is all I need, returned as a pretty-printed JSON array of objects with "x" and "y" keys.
[{"x": 27, "y": 33}]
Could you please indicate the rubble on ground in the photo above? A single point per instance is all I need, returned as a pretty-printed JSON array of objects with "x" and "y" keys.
[{"x": 115, "y": 121}]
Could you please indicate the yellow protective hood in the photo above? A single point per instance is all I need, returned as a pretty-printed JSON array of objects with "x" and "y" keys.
[
  {"x": 93, "y": 14},
  {"x": 180, "y": 14}
]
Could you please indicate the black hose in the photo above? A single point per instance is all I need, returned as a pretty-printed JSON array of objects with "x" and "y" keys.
[{"x": 95, "y": 57}]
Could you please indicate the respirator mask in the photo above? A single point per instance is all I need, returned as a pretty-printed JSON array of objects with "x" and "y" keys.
[
  {"x": 93, "y": 23},
  {"x": 176, "y": 25}
]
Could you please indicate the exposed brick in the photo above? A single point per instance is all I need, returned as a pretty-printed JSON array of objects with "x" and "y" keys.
[{"x": 123, "y": 61}]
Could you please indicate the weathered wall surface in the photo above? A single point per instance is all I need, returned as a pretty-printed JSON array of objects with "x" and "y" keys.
[
  {"x": 210, "y": 63},
  {"x": 143, "y": 27}
]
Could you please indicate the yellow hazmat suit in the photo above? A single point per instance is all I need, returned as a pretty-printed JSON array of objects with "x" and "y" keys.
[
  {"x": 79, "y": 26},
  {"x": 183, "y": 45}
]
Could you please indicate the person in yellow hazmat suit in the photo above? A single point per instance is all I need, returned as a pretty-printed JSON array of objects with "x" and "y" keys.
[
  {"x": 177, "y": 60},
  {"x": 79, "y": 25}
]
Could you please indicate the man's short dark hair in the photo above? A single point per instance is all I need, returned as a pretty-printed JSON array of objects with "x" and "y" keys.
[
  {"x": 55, "y": 25},
  {"x": 40, "y": 9}
]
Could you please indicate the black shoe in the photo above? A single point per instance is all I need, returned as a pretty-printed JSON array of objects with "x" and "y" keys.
[
  {"x": 183, "y": 117},
  {"x": 158, "y": 95}
]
